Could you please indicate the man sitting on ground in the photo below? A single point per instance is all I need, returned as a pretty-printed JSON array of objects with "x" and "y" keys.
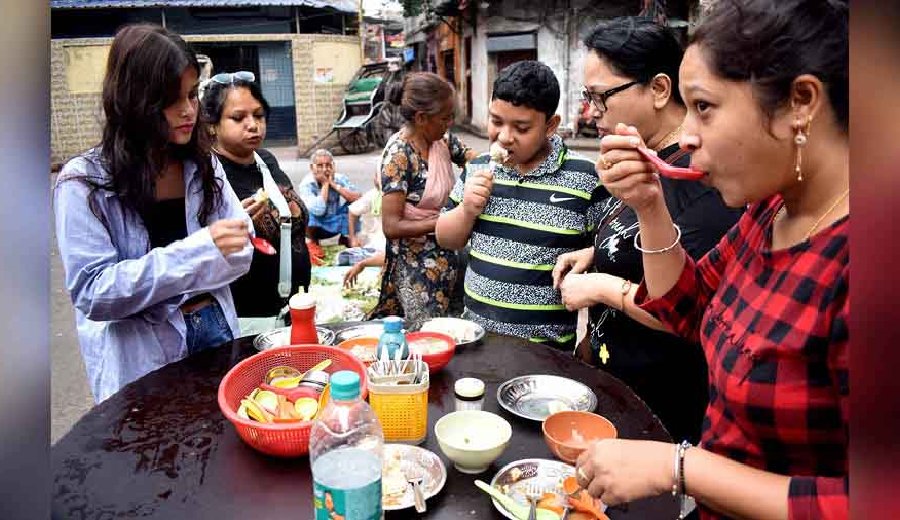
[{"x": 328, "y": 196}]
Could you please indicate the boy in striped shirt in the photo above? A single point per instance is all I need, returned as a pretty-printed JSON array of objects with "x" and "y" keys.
[{"x": 519, "y": 215}]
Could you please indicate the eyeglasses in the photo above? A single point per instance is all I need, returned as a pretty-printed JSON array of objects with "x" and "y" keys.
[
  {"x": 599, "y": 98},
  {"x": 228, "y": 78}
]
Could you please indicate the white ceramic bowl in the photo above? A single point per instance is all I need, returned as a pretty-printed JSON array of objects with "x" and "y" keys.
[{"x": 472, "y": 439}]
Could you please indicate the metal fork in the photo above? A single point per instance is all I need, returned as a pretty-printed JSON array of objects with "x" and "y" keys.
[{"x": 532, "y": 493}]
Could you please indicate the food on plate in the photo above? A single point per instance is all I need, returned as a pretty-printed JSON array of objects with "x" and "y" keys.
[
  {"x": 393, "y": 480},
  {"x": 365, "y": 353},
  {"x": 581, "y": 501},
  {"x": 427, "y": 346},
  {"x": 460, "y": 330},
  {"x": 551, "y": 502},
  {"x": 515, "y": 474}
]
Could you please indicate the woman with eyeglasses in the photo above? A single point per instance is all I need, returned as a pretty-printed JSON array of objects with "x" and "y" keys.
[
  {"x": 767, "y": 90},
  {"x": 150, "y": 233},
  {"x": 235, "y": 112},
  {"x": 631, "y": 77}
]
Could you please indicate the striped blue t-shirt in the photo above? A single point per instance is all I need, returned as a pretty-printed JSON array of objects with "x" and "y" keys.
[{"x": 527, "y": 223}]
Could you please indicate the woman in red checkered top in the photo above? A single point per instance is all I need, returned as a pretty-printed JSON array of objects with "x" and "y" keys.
[{"x": 765, "y": 83}]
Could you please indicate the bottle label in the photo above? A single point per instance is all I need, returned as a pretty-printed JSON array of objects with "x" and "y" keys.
[{"x": 363, "y": 503}]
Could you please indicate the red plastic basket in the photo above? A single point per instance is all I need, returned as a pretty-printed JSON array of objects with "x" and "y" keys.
[
  {"x": 439, "y": 360},
  {"x": 279, "y": 439}
]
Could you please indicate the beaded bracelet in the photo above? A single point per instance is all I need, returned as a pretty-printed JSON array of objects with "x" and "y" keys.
[{"x": 658, "y": 251}]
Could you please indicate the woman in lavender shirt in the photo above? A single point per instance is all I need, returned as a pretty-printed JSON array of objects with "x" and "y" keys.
[{"x": 149, "y": 231}]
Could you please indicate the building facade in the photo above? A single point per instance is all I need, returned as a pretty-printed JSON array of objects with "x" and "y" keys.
[
  {"x": 303, "y": 53},
  {"x": 469, "y": 41}
]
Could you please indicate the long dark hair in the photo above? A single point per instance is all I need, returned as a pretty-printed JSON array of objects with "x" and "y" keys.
[
  {"x": 143, "y": 77},
  {"x": 770, "y": 42}
]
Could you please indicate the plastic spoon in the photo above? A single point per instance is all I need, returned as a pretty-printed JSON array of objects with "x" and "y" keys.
[
  {"x": 263, "y": 246},
  {"x": 672, "y": 172}
]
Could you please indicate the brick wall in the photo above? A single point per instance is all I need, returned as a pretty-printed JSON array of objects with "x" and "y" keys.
[{"x": 76, "y": 119}]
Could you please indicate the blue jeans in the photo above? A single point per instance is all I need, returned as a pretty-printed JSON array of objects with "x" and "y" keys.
[{"x": 206, "y": 328}]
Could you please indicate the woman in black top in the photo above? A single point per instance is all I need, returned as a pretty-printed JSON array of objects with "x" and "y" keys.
[
  {"x": 235, "y": 111},
  {"x": 631, "y": 77}
]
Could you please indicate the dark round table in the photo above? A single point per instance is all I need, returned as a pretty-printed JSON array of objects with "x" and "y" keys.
[{"x": 161, "y": 448}]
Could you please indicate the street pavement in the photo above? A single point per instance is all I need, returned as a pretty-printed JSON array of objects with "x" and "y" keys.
[{"x": 70, "y": 394}]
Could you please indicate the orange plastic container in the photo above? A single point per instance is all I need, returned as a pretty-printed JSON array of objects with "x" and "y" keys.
[{"x": 279, "y": 439}]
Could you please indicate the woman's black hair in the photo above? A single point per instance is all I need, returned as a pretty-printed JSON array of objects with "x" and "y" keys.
[
  {"x": 638, "y": 48},
  {"x": 143, "y": 77},
  {"x": 528, "y": 83},
  {"x": 771, "y": 42},
  {"x": 216, "y": 93}
]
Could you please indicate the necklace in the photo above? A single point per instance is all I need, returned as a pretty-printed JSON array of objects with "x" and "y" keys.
[
  {"x": 821, "y": 218},
  {"x": 667, "y": 140}
]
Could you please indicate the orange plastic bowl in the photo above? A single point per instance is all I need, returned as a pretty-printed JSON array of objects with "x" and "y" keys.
[
  {"x": 436, "y": 360},
  {"x": 569, "y": 433},
  {"x": 369, "y": 344},
  {"x": 279, "y": 439}
]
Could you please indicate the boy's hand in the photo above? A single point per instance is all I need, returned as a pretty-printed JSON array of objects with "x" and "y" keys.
[{"x": 476, "y": 193}]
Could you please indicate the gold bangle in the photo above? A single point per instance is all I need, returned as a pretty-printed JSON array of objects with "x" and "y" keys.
[{"x": 626, "y": 288}]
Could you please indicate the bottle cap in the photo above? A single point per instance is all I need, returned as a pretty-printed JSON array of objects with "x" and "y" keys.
[
  {"x": 393, "y": 324},
  {"x": 302, "y": 301},
  {"x": 469, "y": 388},
  {"x": 345, "y": 385}
]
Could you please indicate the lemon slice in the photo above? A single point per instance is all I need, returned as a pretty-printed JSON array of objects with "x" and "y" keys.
[
  {"x": 256, "y": 412},
  {"x": 268, "y": 400},
  {"x": 242, "y": 411},
  {"x": 285, "y": 382},
  {"x": 306, "y": 407}
]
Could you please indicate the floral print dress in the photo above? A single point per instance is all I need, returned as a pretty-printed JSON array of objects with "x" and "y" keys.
[{"x": 419, "y": 275}]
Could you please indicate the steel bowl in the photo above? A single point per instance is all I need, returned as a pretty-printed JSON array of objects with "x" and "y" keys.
[
  {"x": 280, "y": 337},
  {"x": 535, "y": 397}
]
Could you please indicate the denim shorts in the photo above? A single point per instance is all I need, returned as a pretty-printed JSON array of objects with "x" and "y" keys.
[{"x": 206, "y": 328}]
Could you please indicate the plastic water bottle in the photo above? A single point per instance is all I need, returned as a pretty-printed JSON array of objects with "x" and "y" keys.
[
  {"x": 345, "y": 447},
  {"x": 393, "y": 338}
]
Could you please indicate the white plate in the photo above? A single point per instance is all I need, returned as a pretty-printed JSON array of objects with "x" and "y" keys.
[
  {"x": 546, "y": 474},
  {"x": 448, "y": 325},
  {"x": 433, "y": 472}
]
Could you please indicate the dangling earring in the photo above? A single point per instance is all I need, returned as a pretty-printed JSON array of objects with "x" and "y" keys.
[{"x": 800, "y": 139}]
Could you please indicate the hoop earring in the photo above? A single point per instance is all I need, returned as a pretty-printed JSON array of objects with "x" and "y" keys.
[{"x": 800, "y": 139}]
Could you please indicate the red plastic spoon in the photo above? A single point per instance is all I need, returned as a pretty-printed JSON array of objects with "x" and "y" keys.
[
  {"x": 672, "y": 172},
  {"x": 263, "y": 246}
]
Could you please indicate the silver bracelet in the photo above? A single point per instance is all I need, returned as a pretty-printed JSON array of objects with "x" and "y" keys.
[
  {"x": 658, "y": 251},
  {"x": 676, "y": 474},
  {"x": 682, "y": 449}
]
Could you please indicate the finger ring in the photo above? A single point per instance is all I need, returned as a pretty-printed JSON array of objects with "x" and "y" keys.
[
  {"x": 580, "y": 472},
  {"x": 606, "y": 164}
]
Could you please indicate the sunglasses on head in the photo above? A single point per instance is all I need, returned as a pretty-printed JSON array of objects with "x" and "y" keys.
[{"x": 228, "y": 78}]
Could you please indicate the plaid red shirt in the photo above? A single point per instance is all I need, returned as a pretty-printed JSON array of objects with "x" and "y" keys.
[{"x": 773, "y": 325}]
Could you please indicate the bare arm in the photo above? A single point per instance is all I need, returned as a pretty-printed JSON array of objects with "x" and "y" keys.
[
  {"x": 395, "y": 226},
  {"x": 354, "y": 221},
  {"x": 585, "y": 290},
  {"x": 634, "y": 181},
  {"x": 347, "y": 193},
  {"x": 619, "y": 471},
  {"x": 455, "y": 226}
]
